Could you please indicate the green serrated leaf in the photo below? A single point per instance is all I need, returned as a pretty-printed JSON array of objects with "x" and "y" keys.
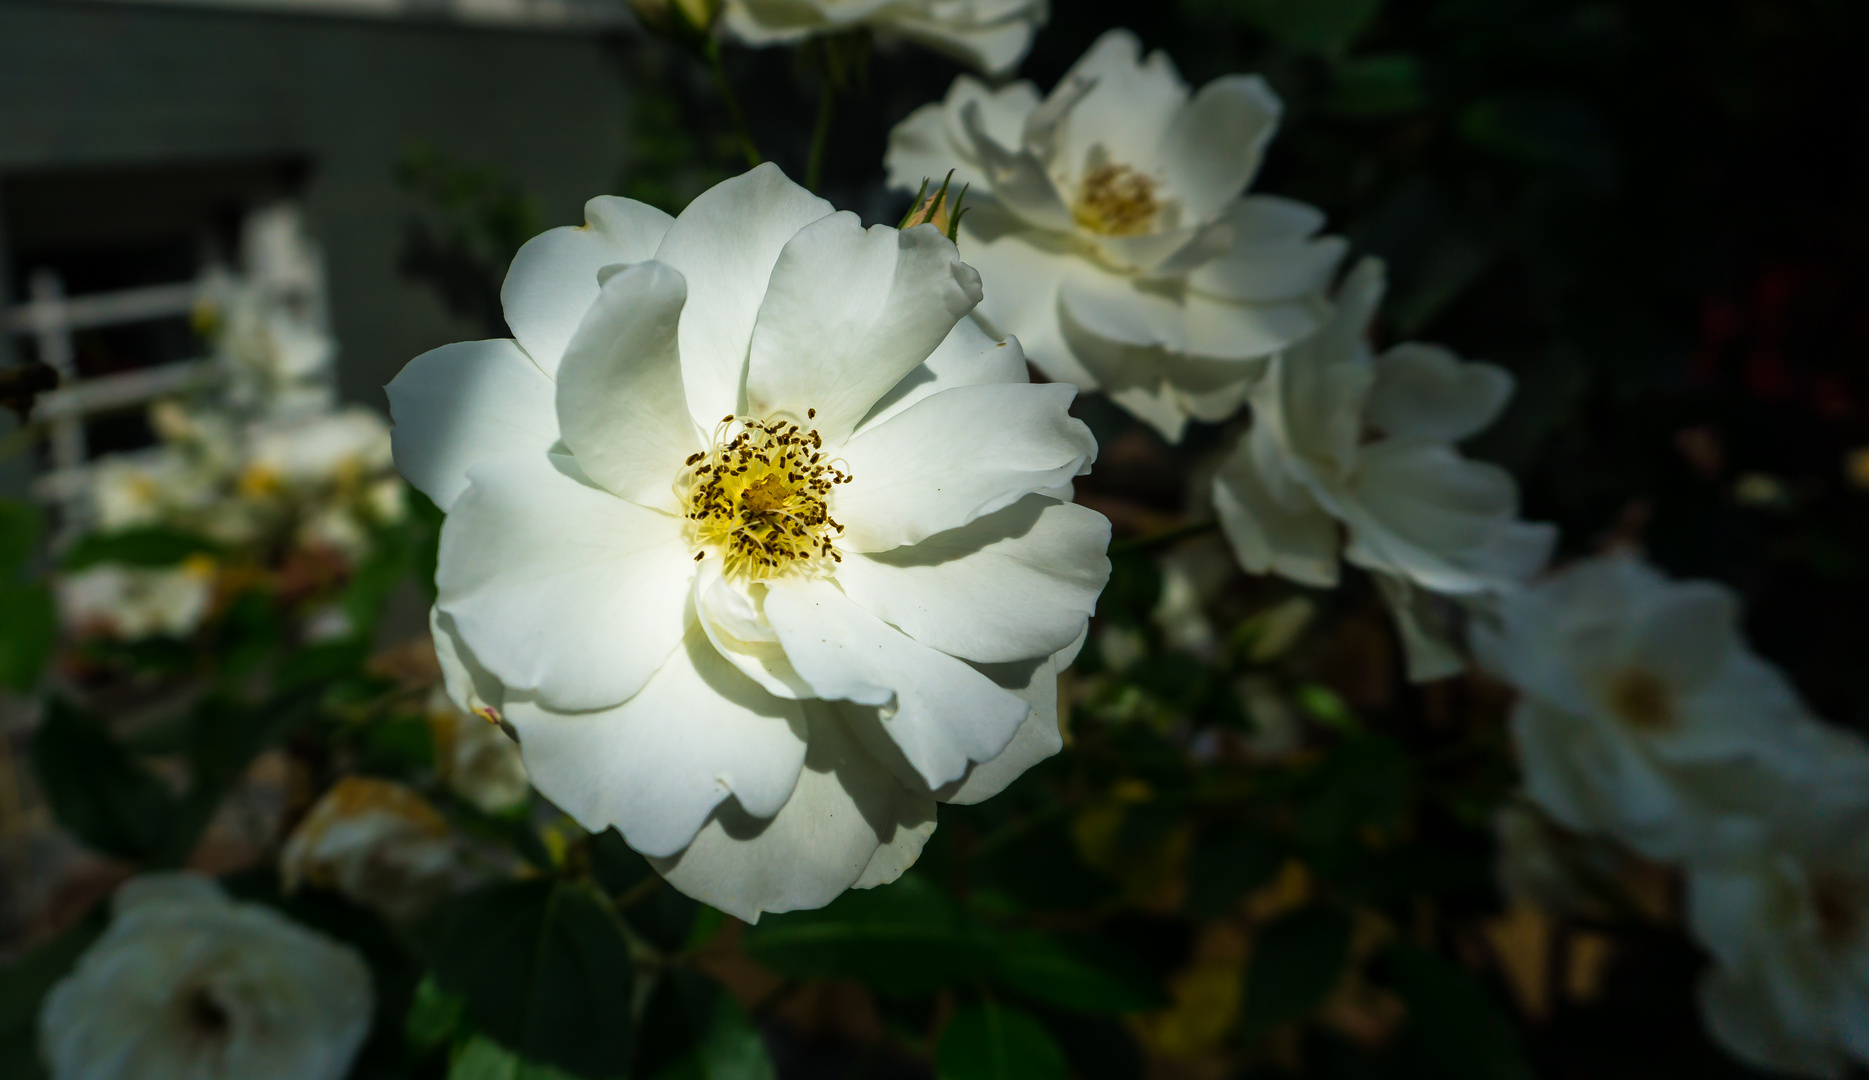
[
  {"x": 988, "y": 1041},
  {"x": 904, "y": 938},
  {"x": 1081, "y": 975},
  {"x": 97, "y": 791},
  {"x": 1297, "y": 960},
  {"x": 545, "y": 970}
]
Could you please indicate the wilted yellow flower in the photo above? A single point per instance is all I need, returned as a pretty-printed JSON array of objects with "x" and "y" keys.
[{"x": 376, "y": 842}]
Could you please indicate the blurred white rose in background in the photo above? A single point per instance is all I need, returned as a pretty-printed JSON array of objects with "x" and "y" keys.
[
  {"x": 187, "y": 984},
  {"x": 754, "y": 469},
  {"x": 990, "y": 35},
  {"x": 131, "y": 602},
  {"x": 1109, "y": 224},
  {"x": 1352, "y": 455},
  {"x": 1787, "y": 922},
  {"x": 1643, "y": 715}
]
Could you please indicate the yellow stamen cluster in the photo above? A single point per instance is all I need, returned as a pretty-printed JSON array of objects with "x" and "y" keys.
[
  {"x": 1116, "y": 200},
  {"x": 760, "y": 497}
]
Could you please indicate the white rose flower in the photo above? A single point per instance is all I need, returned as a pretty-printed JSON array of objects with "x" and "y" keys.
[
  {"x": 377, "y": 843},
  {"x": 1787, "y": 923},
  {"x": 1109, "y": 225},
  {"x": 132, "y": 602},
  {"x": 1643, "y": 715},
  {"x": 1347, "y": 442},
  {"x": 991, "y": 35},
  {"x": 753, "y": 537},
  {"x": 186, "y": 983}
]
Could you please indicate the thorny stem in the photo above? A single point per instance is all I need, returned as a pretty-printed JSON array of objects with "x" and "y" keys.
[
  {"x": 1163, "y": 539},
  {"x": 732, "y": 102},
  {"x": 821, "y": 134}
]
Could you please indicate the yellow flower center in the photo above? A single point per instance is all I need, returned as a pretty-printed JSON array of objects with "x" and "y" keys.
[
  {"x": 1641, "y": 700},
  {"x": 759, "y": 498},
  {"x": 1116, "y": 200}
]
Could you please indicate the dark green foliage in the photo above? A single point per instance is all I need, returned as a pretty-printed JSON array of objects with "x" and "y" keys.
[
  {"x": 1297, "y": 960},
  {"x": 1458, "y": 1026},
  {"x": 545, "y": 969},
  {"x": 107, "y": 799},
  {"x": 23, "y": 986},
  {"x": 904, "y": 939},
  {"x": 692, "y": 1030},
  {"x": 152, "y": 547},
  {"x": 990, "y": 1041}
]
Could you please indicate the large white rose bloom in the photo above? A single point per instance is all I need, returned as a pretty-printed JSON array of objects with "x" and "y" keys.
[
  {"x": 186, "y": 984},
  {"x": 1787, "y": 922},
  {"x": 754, "y": 537},
  {"x": 1643, "y": 715},
  {"x": 1353, "y": 454},
  {"x": 1109, "y": 225},
  {"x": 990, "y": 35}
]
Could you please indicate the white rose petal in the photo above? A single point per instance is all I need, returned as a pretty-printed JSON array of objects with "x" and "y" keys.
[{"x": 782, "y": 468}]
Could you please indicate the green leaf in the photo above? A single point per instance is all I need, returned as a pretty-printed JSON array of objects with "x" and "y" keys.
[
  {"x": 692, "y": 1030},
  {"x": 1378, "y": 86},
  {"x": 434, "y": 1016},
  {"x": 23, "y": 987},
  {"x": 1078, "y": 975},
  {"x": 1544, "y": 130},
  {"x": 545, "y": 970},
  {"x": 148, "y": 547},
  {"x": 97, "y": 791},
  {"x": 21, "y": 525},
  {"x": 28, "y": 624},
  {"x": 988, "y": 1041},
  {"x": 1297, "y": 960},
  {"x": 1453, "y": 1021},
  {"x": 480, "y": 1058},
  {"x": 901, "y": 939}
]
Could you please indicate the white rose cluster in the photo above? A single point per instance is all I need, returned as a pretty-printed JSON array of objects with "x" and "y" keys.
[
  {"x": 760, "y": 544},
  {"x": 1644, "y": 718},
  {"x": 1109, "y": 222},
  {"x": 187, "y": 983}
]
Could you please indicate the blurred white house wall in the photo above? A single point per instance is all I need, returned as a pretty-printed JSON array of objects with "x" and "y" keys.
[{"x": 114, "y": 116}]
